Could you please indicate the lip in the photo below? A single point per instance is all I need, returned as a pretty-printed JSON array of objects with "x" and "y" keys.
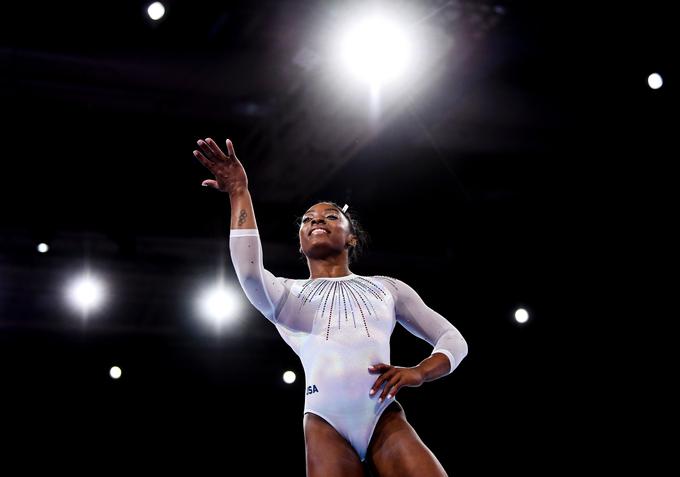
[{"x": 317, "y": 228}]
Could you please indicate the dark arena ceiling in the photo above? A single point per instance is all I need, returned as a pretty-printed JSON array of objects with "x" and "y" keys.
[{"x": 521, "y": 161}]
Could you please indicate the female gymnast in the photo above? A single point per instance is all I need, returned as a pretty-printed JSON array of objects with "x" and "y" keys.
[{"x": 339, "y": 324}]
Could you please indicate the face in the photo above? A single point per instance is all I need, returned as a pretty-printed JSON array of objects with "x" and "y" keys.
[{"x": 332, "y": 235}]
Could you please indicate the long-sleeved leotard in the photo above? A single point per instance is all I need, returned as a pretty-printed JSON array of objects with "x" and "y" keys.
[{"x": 339, "y": 327}]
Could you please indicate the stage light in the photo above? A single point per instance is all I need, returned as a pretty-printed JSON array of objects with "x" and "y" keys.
[
  {"x": 156, "y": 11},
  {"x": 115, "y": 372},
  {"x": 86, "y": 293},
  {"x": 521, "y": 315},
  {"x": 219, "y": 306},
  {"x": 655, "y": 81},
  {"x": 376, "y": 49},
  {"x": 43, "y": 247},
  {"x": 289, "y": 377}
]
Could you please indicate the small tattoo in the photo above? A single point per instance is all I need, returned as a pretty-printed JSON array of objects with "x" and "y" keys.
[{"x": 242, "y": 217}]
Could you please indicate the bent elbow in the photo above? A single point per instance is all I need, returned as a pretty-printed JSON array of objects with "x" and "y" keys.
[
  {"x": 463, "y": 348},
  {"x": 459, "y": 346}
]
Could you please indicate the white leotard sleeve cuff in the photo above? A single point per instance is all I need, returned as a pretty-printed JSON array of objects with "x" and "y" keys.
[
  {"x": 244, "y": 233},
  {"x": 448, "y": 354}
]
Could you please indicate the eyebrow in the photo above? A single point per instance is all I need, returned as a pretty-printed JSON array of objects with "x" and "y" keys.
[{"x": 325, "y": 210}]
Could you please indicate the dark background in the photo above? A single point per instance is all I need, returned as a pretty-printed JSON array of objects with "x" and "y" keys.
[{"x": 529, "y": 165}]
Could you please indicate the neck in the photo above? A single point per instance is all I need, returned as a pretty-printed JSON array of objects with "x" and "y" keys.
[{"x": 324, "y": 269}]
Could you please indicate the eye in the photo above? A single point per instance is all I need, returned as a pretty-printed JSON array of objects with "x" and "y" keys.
[
  {"x": 334, "y": 216},
  {"x": 305, "y": 220}
]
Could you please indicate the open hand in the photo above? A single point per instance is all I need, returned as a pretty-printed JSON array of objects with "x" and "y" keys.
[{"x": 230, "y": 176}]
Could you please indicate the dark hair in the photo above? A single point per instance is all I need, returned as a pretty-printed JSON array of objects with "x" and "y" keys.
[{"x": 362, "y": 237}]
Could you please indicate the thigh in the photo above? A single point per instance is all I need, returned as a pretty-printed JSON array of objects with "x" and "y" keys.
[
  {"x": 328, "y": 453},
  {"x": 396, "y": 449}
]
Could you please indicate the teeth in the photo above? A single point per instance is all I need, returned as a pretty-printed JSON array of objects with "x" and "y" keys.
[{"x": 319, "y": 231}]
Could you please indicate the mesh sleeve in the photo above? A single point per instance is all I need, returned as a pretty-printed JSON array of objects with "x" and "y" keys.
[
  {"x": 265, "y": 291},
  {"x": 425, "y": 323}
]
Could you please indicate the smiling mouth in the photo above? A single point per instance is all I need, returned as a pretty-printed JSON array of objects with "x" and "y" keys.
[{"x": 319, "y": 232}]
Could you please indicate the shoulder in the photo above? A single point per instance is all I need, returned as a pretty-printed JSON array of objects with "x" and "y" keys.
[
  {"x": 398, "y": 287},
  {"x": 288, "y": 282},
  {"x": 385, "y": 279},
  {"x": 292, "y": 282},
  {"x": 389, "y": 283}
]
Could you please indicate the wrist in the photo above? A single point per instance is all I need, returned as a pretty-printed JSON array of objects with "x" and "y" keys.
[
  {"x": 420, "y": 372},
  {"x": 238, "y": 191}
]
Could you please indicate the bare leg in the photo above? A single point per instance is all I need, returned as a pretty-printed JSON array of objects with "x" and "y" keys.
[
  {"x": 328, "y": 453},
  {"x": 396, "y": 449}
]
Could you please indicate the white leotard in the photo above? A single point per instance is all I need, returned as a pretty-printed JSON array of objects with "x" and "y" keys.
[{"x": 339, "y": 327}]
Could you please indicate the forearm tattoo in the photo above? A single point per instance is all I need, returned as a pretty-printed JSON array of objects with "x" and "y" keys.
[{"x": 242, "y": 217}]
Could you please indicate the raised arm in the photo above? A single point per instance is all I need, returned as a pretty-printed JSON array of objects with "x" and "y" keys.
[
  {"x": 449, "y": 346},
  {"x": 262, "y": 288},
  {"x": 230, "y": 177}
]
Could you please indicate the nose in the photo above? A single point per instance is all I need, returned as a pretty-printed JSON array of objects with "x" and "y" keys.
[{"x": 316, "y": 221}]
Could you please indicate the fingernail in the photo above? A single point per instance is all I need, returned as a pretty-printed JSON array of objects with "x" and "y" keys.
[
  {"x": 389, "y": 396},
  {"x": 371, "y": 392},
  {"x": 371, "y": 367},
  {"x": 381, "y": 399},
  {"x": 204, "y": 185}
]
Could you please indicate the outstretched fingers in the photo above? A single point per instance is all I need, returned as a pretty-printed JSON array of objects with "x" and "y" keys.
[
  {"x": 210, "y": 166},
  {"x": 208, "y": 151},
  {"x": 230, "y": 149},
  {"x": 228, "y": 170},
  {"x": 215, "y": 149},
  {"x": 203, "y": 160}
]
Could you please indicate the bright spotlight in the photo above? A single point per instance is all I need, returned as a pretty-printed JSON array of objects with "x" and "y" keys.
[
  {"x": 219, "y": 306},
  {"x": 655, "y": 81},
  {"x": 86, "y": 293},
  {"x": 43, "y": 248},
  {"x": 115, "y": 372},
  {"x": 376, "y": 50},
  {"x": 156, "y": 11},
  {"x": 521, "y": 315},
  {"x": 289, "y": 377}
]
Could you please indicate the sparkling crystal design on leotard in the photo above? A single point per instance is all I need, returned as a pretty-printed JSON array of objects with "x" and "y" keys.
[{"x": 350, "y": 299}]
